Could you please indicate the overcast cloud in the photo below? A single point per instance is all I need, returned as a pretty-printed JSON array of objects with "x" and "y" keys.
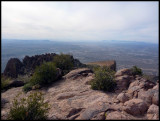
[{"x": 132, "y": 21}]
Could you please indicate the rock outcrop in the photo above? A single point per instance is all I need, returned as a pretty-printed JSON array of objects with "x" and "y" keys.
[
  {"x": 30, "y": 63},
  {"x": 123, "y": 78},
  {"x": 15, "y": 67},
  {"x": 110, "y": 64},
  {"x": 72, "y": 98}
]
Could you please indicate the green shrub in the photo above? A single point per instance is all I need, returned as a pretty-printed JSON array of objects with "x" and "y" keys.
[
  {"x": 136, "y": 71},
  {"x": 64, "y": 62},
  {"x": 30, "y": 108},
  {"x": 104, "y": 79},
  {"x": 44, "y": 74},
  {"x": 27, "y": 87},
  {"x": 4, "y": 82}
]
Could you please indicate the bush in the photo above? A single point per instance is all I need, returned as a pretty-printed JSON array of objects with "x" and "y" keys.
[
  {"x": 30, "y": 108},
  {"x": 44, "y": 74},
  {"x": 4, "y": 82},
  {"x": 64, "y": 61},
  {"x": 27, "y": 87},
  {"x": 136, "y": 71},
  {"x": 104, "y": 79}
]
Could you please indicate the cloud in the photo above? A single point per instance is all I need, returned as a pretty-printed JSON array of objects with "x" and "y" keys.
[{"x": 81, "y": 20}]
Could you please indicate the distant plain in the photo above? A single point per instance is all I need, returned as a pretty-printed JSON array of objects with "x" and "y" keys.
[{"x": 125, "y": 53}]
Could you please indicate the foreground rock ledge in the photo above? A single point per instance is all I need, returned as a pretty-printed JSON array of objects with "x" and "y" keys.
[{"x": 72, "y": 98}]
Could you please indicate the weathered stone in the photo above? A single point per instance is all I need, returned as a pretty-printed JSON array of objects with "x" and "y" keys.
[
  {"x": 124, "y": 71},
  {"x": 147, "y": 84},
  {"x": 117, "y": 115},
  {"x": 99, "y": 116},
  {"x": 132, "y": 92},
  {"x": 156, "y": 87},
  {"x": 77, "y": 73},
  {"x": 155, "y": 98},
  {"x": 122, "y": 97},
  {"x": 122, "y": 82},
  {"x": 74, "y": 111},
  {"x": 153, "y": 112},
  {"x": 134, "y": 83},
  {"x": 148, "y": 95},
  {"x": 135, "y": 107},
  {"x": 93, "y": 111}
]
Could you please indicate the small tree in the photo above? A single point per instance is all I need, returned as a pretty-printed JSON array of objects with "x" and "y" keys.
[
  {"x": 30, "y": 108},
  {"x": 104, "y": 79}
]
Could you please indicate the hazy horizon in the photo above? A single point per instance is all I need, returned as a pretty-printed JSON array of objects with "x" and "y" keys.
[
  {"x": 88, "y": 41},
  {"x": 80, "y": 21}
]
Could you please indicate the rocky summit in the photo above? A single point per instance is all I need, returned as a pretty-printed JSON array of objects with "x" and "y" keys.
[{"x": 72, "y": 98}]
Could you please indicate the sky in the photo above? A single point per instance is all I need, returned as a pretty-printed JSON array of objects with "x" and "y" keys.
[{"x": 77, "y": 21}]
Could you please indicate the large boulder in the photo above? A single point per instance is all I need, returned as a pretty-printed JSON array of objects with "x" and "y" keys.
[
  {"x": 132, "y": 92},
  {"x": 134, "y": 83},
  {"x": 122, "y": 97},
  {"x": 150, "y": 96},
  {"x": 119, "y": 115},
  {"x": 74, "y": 74},
  {"x": 153, "y": 112},
  {"x": 99, "y": 116},
  {"x": 123, "y": 82},
  {"x": 147, "y": 84},
  {"x": 135, "y": 107},
  {"x": 93, "y": 111},
  {"x": 155, "y": 98},
  {"x": 13, "y": 68}
]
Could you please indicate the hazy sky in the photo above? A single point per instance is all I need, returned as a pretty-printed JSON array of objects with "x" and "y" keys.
[{"x": 133, "y": 21}]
